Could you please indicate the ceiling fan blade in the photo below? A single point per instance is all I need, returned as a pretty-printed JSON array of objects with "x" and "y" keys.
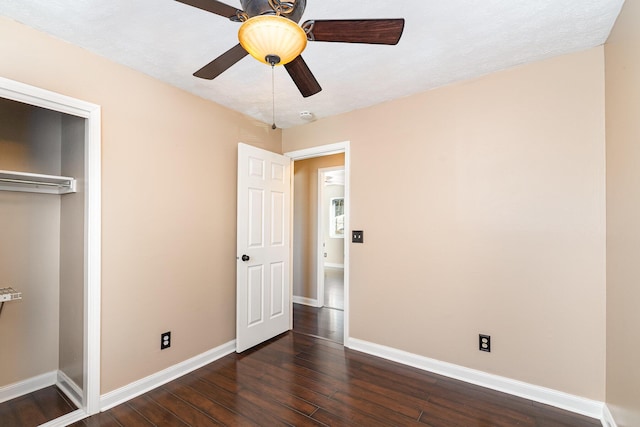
[
  {"x": 219, "y": 65},
  {"x": 370, "y": 31},
  {"x": 213, "y": 6},
  {"x": 302, "y": 77}
]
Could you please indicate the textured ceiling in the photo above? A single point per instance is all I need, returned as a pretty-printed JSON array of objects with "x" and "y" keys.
[{"x": 443, "y": 42}]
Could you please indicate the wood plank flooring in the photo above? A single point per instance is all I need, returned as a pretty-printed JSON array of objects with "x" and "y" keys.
[
  {"x": 298, "y": 380},
  {"x": 328, "y": 321},
  {"x": 334, "y": 288},
  {"x": 321, "y": 322},
  {"x": 35, "y": 408}
]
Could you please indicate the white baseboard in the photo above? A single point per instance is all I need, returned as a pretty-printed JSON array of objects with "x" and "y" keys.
[
  {"x": 136, "y": 388},
  {"x": 30, "y": 385},
  {"x": 68, "y": 419},
  {"x": 332, "y": 265},
  {"x": 569, "y": 402},
  {"x": 305, "y": 301},
  {"x": 607, "y": 418},
  {"x": 70, "y": 388}
]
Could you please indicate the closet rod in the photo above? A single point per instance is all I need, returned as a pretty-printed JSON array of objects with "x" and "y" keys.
[{"x": 22, "y": 181}]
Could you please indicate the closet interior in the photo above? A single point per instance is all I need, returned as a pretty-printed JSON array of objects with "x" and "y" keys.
[{"x": 42, "y": 250}]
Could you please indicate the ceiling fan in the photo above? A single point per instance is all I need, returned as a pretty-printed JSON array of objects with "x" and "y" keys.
[{"x": 270, "y": 33}]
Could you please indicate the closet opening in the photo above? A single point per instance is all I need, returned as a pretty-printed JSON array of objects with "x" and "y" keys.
[{"x": 49, "y": 256}]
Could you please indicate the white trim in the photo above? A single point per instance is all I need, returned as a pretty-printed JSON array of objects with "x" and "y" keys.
[
  {"x": 70, "y": 388},
  {"x": 321, "y": 150},
  {"x": 319, "y": 239},
  {"x": 325, "y": 150},
  {"x": 27, "y": 94},
  {"x": 29, "y": 385},
  {"x": 136, "y": 388},
  {"x": 92, "y": 281},
  {"x": 291, "y": 236},
  {"x": 65, "y": 420},
  {"x": 607, "y": 418},
  {"x": 332, "y": 265},
  {"x": 306, "y": 301},
  {"x": 569, "y": 402},
  {"x": 93, "y": 260}
]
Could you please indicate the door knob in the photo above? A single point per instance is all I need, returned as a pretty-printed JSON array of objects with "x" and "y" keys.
[{"x": 245, "y": 258}]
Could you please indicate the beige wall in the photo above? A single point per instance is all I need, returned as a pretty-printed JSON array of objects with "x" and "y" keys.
[
  {"x": 169, "y": 197},
  {"x": 305, "y": 222},
  {"x": 29, "y": 245},
  {"x": 623, "y": 212},
  {"x": 501, "y": 182}
]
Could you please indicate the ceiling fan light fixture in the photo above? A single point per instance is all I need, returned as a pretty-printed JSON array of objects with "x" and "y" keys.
[{"x": 269, "y": 36}]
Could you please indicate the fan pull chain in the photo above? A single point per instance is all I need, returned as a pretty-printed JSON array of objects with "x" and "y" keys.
[{"x": 273, "y": 96}]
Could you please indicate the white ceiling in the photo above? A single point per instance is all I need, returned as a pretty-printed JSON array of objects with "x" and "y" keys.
[{"x": 443, "y": 42}]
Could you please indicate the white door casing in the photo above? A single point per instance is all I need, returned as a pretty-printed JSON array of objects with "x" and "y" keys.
[
  {"x": 263, "y": 246},
  {"x": 31, "y": 95},
  {"x": 325, "y": 150}
]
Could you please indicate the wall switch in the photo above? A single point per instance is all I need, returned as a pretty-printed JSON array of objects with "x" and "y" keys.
[
  {"x": 165, "y": 340},
  {"x": 357, "y": 236},
  {"x": 484, "y": 343}
]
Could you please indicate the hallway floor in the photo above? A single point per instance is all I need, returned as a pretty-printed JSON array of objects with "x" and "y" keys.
[
  {"x": 328, "y": 321},
  {"x": 334, "y": 288},
  {"x": 321, "y": 322}
]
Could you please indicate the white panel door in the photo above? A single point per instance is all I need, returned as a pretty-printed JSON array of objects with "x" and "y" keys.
[{"x": 263, "y": 285}]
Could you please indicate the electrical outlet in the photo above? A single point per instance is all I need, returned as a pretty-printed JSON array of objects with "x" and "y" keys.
[
  {"x": 484, "y": 343},
  {"x": 165, "y": 340}
]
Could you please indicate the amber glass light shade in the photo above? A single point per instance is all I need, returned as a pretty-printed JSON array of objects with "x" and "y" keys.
[{"x": 271, "y": 35}]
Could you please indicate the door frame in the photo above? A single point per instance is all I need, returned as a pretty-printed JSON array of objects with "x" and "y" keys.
[
  {"x": 38, "y": 97},
  {"x": 320, "y": 151},
  {"x": 320, "y": 262}
]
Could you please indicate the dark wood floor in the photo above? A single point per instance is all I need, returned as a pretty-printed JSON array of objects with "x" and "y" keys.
[
  {"x": 298, "y": 380},
  {"x": 322, "y": 322},
  {"x": 328, "y": 321},
  {"x": 334, "y": 288},
  {"x": 35, "y": 408}
]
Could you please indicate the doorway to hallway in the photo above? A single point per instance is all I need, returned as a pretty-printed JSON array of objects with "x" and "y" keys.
[{"x": 320, "y": 256}]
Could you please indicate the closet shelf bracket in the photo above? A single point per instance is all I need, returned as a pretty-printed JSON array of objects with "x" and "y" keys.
[
  {"x": 36, "y": 183},
  {"x": 8, "y": 294}
]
